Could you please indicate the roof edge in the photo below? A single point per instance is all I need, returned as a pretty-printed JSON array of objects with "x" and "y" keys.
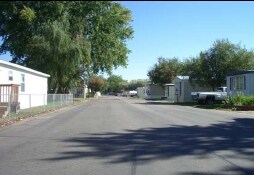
[
  {"x": 23, "y": 68},
  {"x": 239, "y": 72}
]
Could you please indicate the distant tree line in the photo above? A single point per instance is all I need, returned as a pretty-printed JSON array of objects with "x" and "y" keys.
[{"x": 113, "y": 84}]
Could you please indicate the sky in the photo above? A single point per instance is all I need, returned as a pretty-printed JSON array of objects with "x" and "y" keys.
[{"x": 181, "y": 29}]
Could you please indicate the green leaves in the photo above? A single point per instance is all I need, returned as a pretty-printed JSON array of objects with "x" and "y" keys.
[
  {"x": 165, "y": 70},
  {"x": 240, "y": 99},
  {"x": 66, "y": 39},
  {"x": 221, "y": 58},
  {"x": 108, "y": 30},
  {"x": 134, "y": 84},
  {"x": 116, "y": 83},
  {"x": 27, "y": 14},
  {"x": 207, "y": 69},
  {"x": 58, "y": 54}
]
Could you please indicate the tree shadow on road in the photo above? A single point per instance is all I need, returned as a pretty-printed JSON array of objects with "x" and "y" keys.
[
  {"x": 151, "y": 144},
  {"x": 236, "y": 170}
]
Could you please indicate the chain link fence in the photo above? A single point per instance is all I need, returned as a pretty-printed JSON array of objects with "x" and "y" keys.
[{"x": 24, "y": 105}]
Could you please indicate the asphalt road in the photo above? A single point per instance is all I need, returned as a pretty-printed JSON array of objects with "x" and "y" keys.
[{"x": 120, "y": 136}]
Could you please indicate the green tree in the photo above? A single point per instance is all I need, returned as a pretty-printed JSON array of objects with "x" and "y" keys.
[
  {"x": 192, "y": 68},
  {"x": 105, "y": 87},
  {"x": 108, "y": 28},
  {"x": 116, "y": 83},
  {"x": 165, "y": 70},
  {"x": 56, "y": 53},
  {"x": 221, "y": 58},
  {"x": 134, "y": 84},
  {"x": 65, "y": 39}
]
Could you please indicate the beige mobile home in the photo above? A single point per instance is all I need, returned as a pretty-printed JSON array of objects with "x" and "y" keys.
[{"x": 153, "y": 91}]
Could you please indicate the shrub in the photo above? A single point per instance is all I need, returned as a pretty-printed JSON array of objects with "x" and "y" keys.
[
  {"x": 89, "y": 95},
  {"x": 230, "y": 100},
  {"x": 240, "y": 100},
  {"x": 249, "y": 100}
]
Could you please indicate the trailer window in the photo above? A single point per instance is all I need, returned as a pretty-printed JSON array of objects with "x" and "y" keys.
[
  {"x": 10, "y": 75},
  {"x": 239, "y": 83}
]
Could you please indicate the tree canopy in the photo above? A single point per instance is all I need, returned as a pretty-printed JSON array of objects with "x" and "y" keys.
[
  {"x": 66, "y": 38},
  {"x": 134, "y": 84},
  {"x": 165, "y": 70},
  {"x": 213, "y": 64},
  {"x": 96, "y": 83},
  {"x": 116, "y": 83}
]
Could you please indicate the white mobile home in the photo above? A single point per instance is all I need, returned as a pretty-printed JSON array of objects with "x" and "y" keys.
[
  {"x": 169, "y": 91},
  {"x": 141, "y": 92},
  {"x": 240, "y": 82},
  {"x": 21, "y": 85},
  {"x": 183, "y": 89}
]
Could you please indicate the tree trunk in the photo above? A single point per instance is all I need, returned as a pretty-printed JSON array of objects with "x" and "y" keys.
[{"x": 56, "y": 89}]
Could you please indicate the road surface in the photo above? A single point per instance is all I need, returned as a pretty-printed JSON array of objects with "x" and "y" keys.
[{"x": 121, "y": 136}]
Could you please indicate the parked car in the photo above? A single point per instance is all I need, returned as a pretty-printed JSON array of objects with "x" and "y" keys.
[
  {"x": 97, "y": 94},
  {"x": 210, "y": 97},
  {"x": 133, "y": 93}
]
